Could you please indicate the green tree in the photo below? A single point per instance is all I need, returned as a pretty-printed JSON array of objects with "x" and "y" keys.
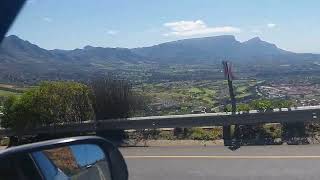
[
  {"x": 282, "y": 103},
  {"x": 243, "y": 107},
  {"x": 9, "y": 112},
  {"x": 227, "y": 108},
  {"x": 114, "y": 99},
  {"x": 50, "y": 103},
  {"x": 262, "y": 104},
  {"x": 66, "y": 101},
  {"x": 240, "y": 107}
]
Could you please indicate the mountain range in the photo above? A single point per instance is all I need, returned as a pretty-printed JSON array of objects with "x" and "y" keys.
[{"x": 22, "y": 57}]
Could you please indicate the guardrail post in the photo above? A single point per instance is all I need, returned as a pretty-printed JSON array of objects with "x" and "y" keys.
[{"x": 227, "y": 129}]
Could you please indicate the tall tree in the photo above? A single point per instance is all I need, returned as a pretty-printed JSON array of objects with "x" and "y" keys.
[
  {"x": 114, "y": 99},
  {"x": 50, "y": 103}
]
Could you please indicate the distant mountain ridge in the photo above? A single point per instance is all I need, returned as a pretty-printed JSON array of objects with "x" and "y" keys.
[
  {"x": 19, "y": 49},
  {"x": 195, "y": 50},
  {"x": 215, "y": 48},
  {"x": 22, "y": 61},
  {"x": 19, "y": 57}
]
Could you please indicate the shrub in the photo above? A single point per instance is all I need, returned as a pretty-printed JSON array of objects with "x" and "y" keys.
[
  {"x": 202, "y": 134},
  {"x": 114, "y": 99},
  {"x": 274, "y": 130},
  {"x": 243, "y": 107},
  {"x": 4, "y": 141},
  {"x": 166, "y": 135},
  {"x": 50, "y": 103},
  {"x": 261, "y": 104}
]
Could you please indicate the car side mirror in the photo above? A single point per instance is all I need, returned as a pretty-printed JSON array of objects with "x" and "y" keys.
[{"x": 85, "y": 157}]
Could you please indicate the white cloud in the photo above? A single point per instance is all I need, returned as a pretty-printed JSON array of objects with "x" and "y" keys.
[
  {"x": 198, "y": 27},
  {"x": 112, "y": 32},
  {"x": 271, "y": 25},
  {"x": 47, "y": 19}
]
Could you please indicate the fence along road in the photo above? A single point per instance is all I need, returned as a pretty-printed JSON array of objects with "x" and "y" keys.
[{"x": 285, "y": 115}]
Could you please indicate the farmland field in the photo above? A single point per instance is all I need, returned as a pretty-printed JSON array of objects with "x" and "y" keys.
[
  {"x": 8, "y": 90},
  {"x": 7, "y": 93},
  {"x": 192, "y": 96}
]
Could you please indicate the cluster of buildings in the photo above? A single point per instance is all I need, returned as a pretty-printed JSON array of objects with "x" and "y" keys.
[
  {"x": 270, "y": 92},
  {"x": 304, "y": 94}
]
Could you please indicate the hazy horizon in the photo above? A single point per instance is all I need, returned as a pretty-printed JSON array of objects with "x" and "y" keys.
[
  {"x": 142, "y": 46},
  {"x": 291, "y": 25}
]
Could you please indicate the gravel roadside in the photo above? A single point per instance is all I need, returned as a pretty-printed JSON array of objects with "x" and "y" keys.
[{"x": 175, "y": 143}]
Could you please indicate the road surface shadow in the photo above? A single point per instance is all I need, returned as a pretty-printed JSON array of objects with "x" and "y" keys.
[{"x": 236, "y": 144}]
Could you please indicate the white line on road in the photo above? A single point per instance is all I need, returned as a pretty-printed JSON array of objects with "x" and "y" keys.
[{"x": 225, "y": 157}]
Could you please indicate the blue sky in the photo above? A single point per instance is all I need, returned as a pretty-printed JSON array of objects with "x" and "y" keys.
[
  {"x": 86, "y": 154},
  {"x": 67, "y": 24}
]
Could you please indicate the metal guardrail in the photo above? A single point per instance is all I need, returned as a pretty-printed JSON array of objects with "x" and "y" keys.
[{"x": 311, "y": 114}]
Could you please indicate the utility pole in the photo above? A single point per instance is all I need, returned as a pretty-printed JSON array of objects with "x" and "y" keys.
[{"x": 229, "y": 76}]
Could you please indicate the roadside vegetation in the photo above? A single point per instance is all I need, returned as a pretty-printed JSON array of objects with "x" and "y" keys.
[
  {"x": 50, "y": 103},
  {"x": 262, "y": 105},
  {"x": 214, "y": 133},
  {"x": 59, "y": 102}
]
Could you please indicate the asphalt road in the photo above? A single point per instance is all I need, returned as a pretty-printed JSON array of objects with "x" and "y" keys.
[{"x": 218, "y": 162}]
